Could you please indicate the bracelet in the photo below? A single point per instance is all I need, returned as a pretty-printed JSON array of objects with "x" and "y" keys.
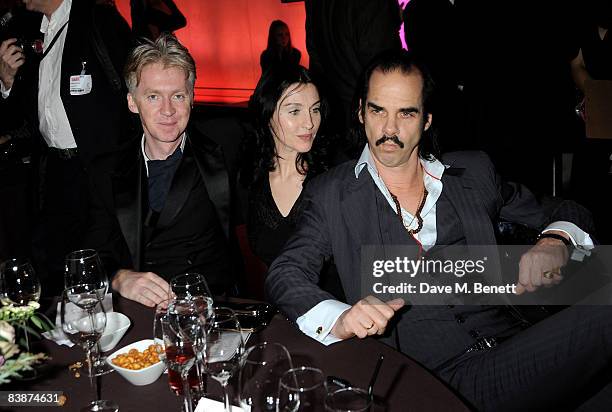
[{"x": 555, "y": 236}]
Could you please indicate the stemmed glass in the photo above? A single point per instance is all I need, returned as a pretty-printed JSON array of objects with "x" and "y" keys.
[
  {"x": 21, "y": 285},
  {"x": 83, "y": 321},
  {"x": 190, "y": 285},
  {"x": 84, "y": 267},
  {"x": 184, "y": 341},
  {"x": 262, "y": 367},
  {"x": 302, "y": 389},
  {"x": 20, "y": 281},
  {"x": 348, "y": 400},
  {"x": 224, "y": 349}
]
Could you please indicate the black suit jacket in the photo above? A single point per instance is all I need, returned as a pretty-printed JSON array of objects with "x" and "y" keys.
[
  {"x": 99, "y": 120},
  {"x": 119, "y": 205},
  {"x": 342, "y": 213}
]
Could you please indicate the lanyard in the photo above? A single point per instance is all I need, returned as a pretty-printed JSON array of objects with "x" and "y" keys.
[{"x": 54, "y": 40}]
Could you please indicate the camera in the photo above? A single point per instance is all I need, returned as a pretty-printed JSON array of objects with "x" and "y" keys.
[{"x": 29, "y": 46}]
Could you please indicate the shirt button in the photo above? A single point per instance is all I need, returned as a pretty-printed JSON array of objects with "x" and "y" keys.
[{"x": 460, "y": 319}]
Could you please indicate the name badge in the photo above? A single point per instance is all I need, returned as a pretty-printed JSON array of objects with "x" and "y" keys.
[{"x": 80, "y": 84}]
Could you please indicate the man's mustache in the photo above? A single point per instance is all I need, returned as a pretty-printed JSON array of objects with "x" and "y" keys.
[{"x": 393, "y": 138}]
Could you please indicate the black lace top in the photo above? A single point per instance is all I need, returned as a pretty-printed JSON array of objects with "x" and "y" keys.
[{"x": 268, "y": 229}]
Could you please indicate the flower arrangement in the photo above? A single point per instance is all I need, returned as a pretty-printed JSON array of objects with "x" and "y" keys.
[{"x": 13, "y": 361}]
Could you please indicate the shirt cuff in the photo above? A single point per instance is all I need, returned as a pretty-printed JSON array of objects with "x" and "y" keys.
[
  {"x": 319, "y": 321},
  {"x": 579, "y": 238},
  {"x": 5, "y": 92}
]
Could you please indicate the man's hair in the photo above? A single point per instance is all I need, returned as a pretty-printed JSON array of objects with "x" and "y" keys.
[
  {"x": 406, "y": 63},
  {"x": 166, "y": 50}
]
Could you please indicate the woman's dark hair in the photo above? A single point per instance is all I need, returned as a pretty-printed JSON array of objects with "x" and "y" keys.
[
  {"x": 262, "y": 105},
  {"x": 277, "y": 24},
  {"x": 405, "y": 62}
]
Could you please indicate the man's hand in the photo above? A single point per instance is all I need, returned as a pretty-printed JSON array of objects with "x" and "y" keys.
[
  {"x": 367, "y": 317},
  {"x": 11, "y": 58},
  {"x": 541, "y": 265},
  {"x": 143, "y": 287}
]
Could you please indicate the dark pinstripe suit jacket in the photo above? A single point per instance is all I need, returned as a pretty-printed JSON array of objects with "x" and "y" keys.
[{"x": 343, "y": 212}]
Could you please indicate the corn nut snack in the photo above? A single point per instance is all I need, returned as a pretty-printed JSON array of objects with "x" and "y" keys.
[{"x": 136, "y": 360}]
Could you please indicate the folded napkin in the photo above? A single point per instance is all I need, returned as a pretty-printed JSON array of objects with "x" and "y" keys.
[
  {"x": 57, "y": 335},
  {"x": 226, "y": 347},
  {"x": 210, "y": 405}
]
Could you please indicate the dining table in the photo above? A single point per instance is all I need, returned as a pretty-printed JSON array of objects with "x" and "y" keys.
[{"x": 402, "y": 384}]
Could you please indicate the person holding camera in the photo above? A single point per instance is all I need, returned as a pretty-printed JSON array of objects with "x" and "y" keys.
[{"x": 72, "y": 95}]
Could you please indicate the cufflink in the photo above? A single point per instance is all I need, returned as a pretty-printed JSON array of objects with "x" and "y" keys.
[{"x": 319, "y": 330}]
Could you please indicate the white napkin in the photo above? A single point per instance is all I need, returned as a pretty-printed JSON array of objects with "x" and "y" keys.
[
  {"x": 57, "y": 335},
  {"x": 226, "y": 346},
  {"x": 210, "y": 405}
]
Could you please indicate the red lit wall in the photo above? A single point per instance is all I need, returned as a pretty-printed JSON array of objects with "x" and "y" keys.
[{"x": 226, "y": 38}]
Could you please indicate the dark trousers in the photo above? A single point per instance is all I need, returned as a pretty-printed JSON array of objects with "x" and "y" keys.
[
  {"x": 64, "y": 210},
  {"x": 16, "y": 210},
  {"x": 558, "y": 364}
]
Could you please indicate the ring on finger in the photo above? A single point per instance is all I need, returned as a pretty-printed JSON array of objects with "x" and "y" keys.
[
  {"x": 548, "y": 274},
  {"x": 370, "y": 327}
]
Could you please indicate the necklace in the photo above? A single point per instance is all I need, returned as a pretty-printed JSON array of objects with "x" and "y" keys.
[{"x": 398, "y": 210}]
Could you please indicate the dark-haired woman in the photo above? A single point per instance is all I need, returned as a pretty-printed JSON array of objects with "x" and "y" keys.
[
  {"x": 280, "y": 51},
  {"x": 288, "y": 150}
]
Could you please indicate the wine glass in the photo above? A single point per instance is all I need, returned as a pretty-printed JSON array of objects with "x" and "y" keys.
[
  {"x": 84, "y": 267},
  {"x": 184, "y": 340},
  {"x": 21, "y": 286},
  {"x": 224, "y": 349},
  {"x": 203, "y": 308},
  {"x": 302, "y": 389},
  {"x": 190, "y": 285},
  {"x": 83, "y": 322},
  {"x": 348, "y": 400},
  {"x": 262, "y": 367}
]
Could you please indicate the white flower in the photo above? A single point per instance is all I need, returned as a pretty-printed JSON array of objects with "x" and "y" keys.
[
  {"x": 8, "y": 349},
  {"x": 34, "y": 304},
  {"x": 7, "y": 332}
]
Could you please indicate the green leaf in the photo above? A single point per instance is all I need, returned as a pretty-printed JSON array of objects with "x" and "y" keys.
[{"x": 37, "y": 322}]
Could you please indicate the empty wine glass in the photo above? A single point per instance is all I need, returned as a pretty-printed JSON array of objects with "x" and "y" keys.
[
  {"x": 190, "y": 285},
  {"x": 348, "y": 400},
  {"x": 83, "y": 321},
  {"x": 224, "y": 349},
  {"x": 84, "y": 267},
  {"x": 21, "y": 283},
  {"x": 302, "y": 389},
  {"x": 263, "y": 365}
]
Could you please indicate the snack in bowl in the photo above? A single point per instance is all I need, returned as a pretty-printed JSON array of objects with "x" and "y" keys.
[
  {"x": 138, "y": 362},
  {"x": 135, "y": 360}
]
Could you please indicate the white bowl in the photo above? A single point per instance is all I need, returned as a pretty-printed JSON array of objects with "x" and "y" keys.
[
  {"x": 116, "y": 326},
  {"x": 138, "y": 377}
]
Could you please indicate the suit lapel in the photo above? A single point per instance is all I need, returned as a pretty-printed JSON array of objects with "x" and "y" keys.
[
  {"x": 460, "y": 192},
  {"x": 129, "y": 199},
  {"x": 359, "y": 205},
  {"x": 211, "y": 163},
  {"x": 180, "y": 188}
]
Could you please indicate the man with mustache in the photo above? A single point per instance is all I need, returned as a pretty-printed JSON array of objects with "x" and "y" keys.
[{"x": 401, "y": 192}]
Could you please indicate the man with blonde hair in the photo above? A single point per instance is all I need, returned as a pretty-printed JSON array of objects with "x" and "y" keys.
[{"x": 162, "y": 206}]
